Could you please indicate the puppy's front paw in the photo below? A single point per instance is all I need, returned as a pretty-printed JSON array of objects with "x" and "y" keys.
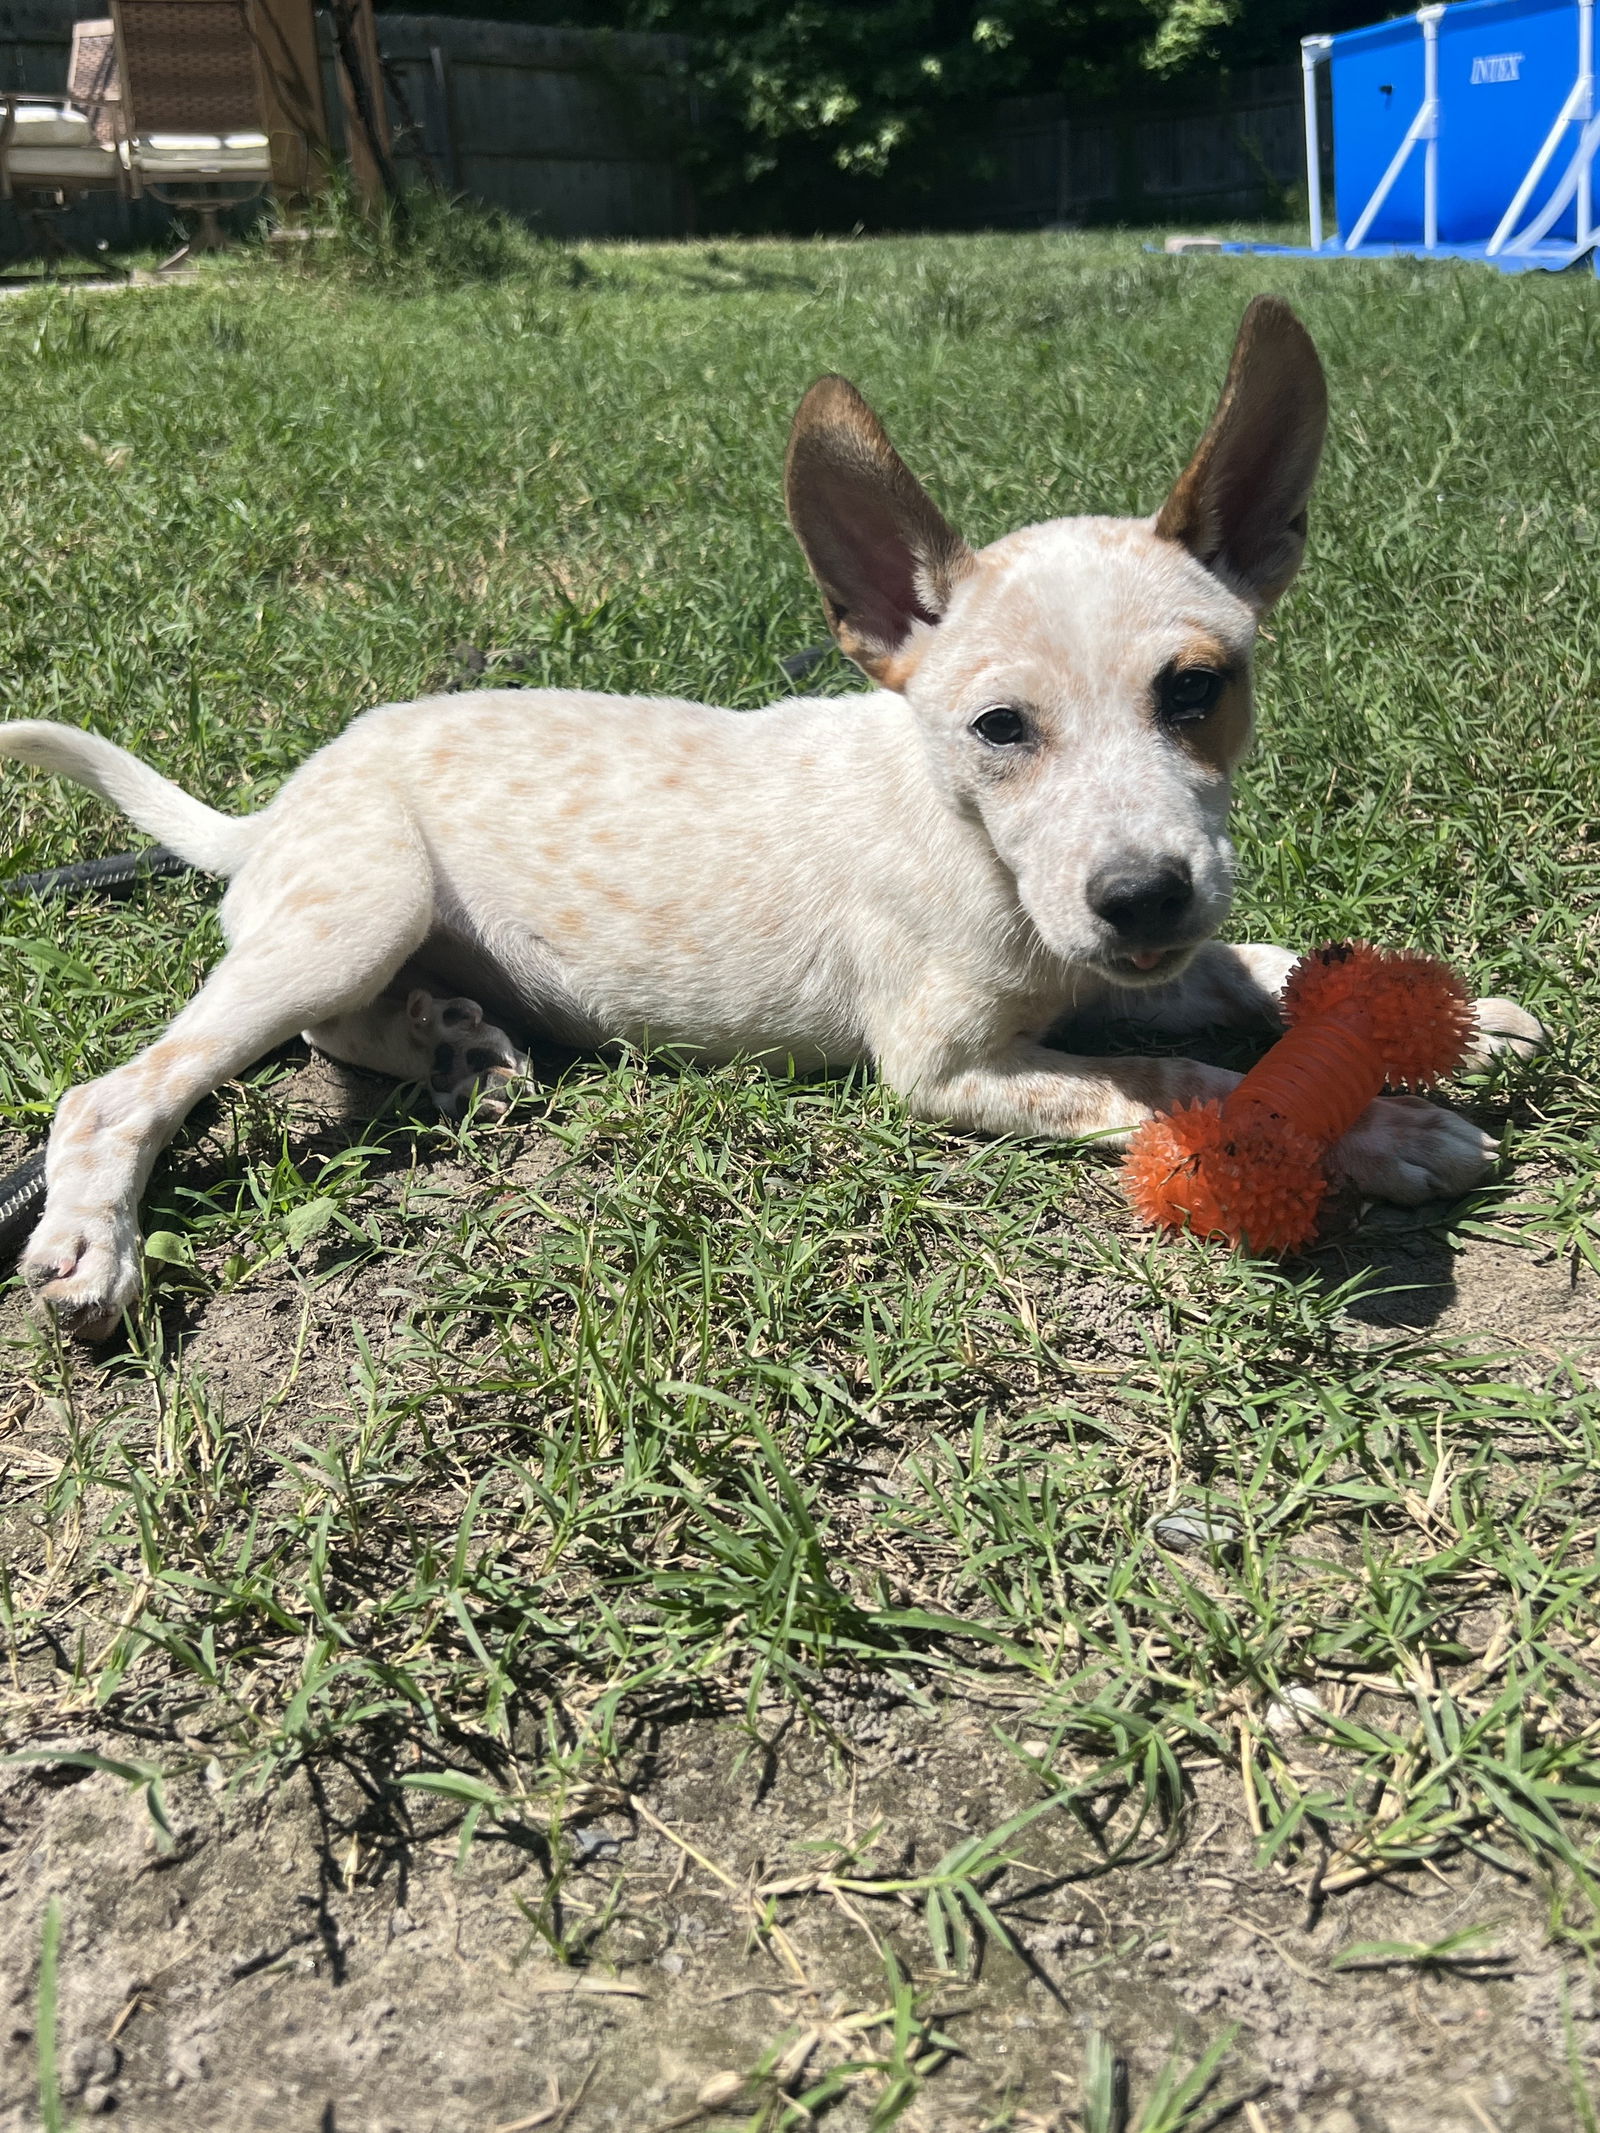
[
  {"x": 1408, "y": 1151},
  {"x": 1504, "y": 1028},
  {"x": 86, "y": 1269}
]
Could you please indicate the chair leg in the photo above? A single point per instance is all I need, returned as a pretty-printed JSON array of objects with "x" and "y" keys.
[
  {"x": 205, "y": 236},
  {"x": 41, "y": 216}
]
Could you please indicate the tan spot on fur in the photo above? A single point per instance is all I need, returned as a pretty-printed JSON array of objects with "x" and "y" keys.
[
  {"x": 658, "y": 929},
  {"x": 1219, "y": 741},
  {"x": 894, "y": 672},
  {"x": 1203, "y": 650},
  {"x": 298, "y": 900},
  {"x": 568, "y": 921},
  {"x": 670, "y": 781}
]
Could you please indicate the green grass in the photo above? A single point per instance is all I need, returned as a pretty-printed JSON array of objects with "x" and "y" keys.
[
  {"x": 50, "y": 2113},
  {"x": 693, "y": 1387}
]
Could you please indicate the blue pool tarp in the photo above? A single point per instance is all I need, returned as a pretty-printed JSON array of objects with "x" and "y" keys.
[{"x": 1546, "y": 259}]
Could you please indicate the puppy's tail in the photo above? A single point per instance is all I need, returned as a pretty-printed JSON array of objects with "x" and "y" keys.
[{"x": 217, "y": 844}]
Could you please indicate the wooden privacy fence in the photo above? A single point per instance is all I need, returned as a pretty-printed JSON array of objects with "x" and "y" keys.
[
  {"x": 1041, "y": 160},
  {"x": 583, "y": 133},
  {"x": 578, "y": 131}
]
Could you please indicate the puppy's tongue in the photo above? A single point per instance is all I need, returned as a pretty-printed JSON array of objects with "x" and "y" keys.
[{"x": 1147, "y": 958}]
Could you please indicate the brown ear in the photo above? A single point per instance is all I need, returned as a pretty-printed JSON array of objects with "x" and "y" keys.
[
  {"x": 1239, "y": 506},
  {"x": 878, "y": 547}
]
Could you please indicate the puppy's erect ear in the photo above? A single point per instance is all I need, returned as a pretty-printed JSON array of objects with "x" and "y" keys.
[
  {"x": 1239, "y": 506},
  {"x": 878, "y": 547}
]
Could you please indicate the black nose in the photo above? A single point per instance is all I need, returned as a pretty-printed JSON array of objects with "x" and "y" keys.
[{"x": 1144, "y": 902}]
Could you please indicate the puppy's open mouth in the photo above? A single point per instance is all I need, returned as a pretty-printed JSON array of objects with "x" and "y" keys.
[{"x": 1147, "y": 966}]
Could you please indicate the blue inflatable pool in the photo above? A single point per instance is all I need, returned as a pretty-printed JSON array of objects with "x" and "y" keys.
[{"x": 1463, "y": 131}]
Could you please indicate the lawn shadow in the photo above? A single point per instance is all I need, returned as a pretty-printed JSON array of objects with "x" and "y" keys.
[
  {"x": 1407, "y": 1259},
  {"x": 1409, "y": 1264},
  {"x": 721, "y": 276}
]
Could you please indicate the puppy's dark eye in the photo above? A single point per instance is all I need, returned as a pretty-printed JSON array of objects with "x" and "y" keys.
[
  {"x": 1185, "y": 694},
  {"x": 1001, "y": 727}
]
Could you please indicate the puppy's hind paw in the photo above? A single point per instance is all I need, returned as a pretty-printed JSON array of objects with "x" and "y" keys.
[
  {"x": 86, "y": 1270},
  {"x": 472, "y": 1060}
]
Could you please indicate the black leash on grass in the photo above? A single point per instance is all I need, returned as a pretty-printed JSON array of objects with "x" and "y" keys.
[
  {"x": 123, "y": 870},
  {"x": 22, "y": 1189}
]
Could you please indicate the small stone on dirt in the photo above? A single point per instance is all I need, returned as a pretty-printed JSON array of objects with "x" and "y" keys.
[
  {"x": 92, "y": 2063},
  {"x": 1293, "y": 1712}
]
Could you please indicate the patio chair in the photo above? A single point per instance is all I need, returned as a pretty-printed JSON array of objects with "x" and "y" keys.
[
  {"x": 192, "y": 115},
  {"x": 93, "y": 86},
  {"x": 56, "y": 150}
]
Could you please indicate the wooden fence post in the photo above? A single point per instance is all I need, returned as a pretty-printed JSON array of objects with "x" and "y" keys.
[
  {"x": 362, "y": 100},
  {"x": 285, "y": 33}
]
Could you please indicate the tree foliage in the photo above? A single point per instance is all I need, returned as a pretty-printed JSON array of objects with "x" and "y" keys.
[
  {"x": 870, "y": 81},
  {"x": 818, "y": 113}
]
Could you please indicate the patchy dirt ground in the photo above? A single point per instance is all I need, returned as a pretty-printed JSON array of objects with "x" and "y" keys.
[
  {"x": 1503, "y": 1292},
  {"x": 311, "y": 1962},
  {"x": 321, "y": 1958}
]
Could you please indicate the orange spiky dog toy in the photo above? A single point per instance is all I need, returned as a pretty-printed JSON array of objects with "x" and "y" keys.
[{"x": 1252, "y": 1169}]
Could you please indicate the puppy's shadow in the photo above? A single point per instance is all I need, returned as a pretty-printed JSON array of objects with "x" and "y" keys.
[
  {"x": 1404, "y": 1254},
  {"x": 1407, "y": 1260},
  {"x": 316, "y": 1108}
]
